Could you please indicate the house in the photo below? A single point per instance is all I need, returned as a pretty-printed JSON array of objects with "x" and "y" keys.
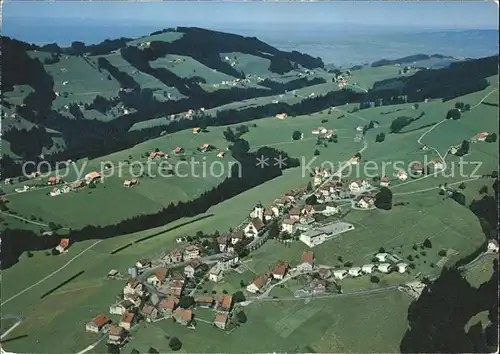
[
  {"x": 92, "y": 176},
  {"x": 254, "y": 227},
  {"x": 315, "y": 132},
  {"x": 381, "y": 257},
  {"x": 281, "y": 115},
  {"x": 402, "y": 267},
  {"x": 481, "y": 136},
  {"x": 225, "y": 303},
  {"x": 268, "y": 214},
  {"x": 288, "y": 225},
  {"x": 54, "y": 192},
  {"x": 77, "y": 184},
  {"x": 385, "y": 181},
  {"x": 191, "y": 268},
  {"x": 55, "y": 180},
  {"x": 384, "y": 267},
  {"x": 196, "y": 130},
  {"x": 121, "y": 307},
  {"x": 216, "y": 273},
  {"x": 307, "y": 263},
  {"x": 191, "y": 252},
  {"x": 331, "y": 208},
  {"x": 225, "y": 244},
  {"x": 167, "y": 305},
  {"x": 417, "y": 169},
  {"x": 325, "y": 191},
  {"x": 65, "y": 189},
  {"x": 204, "y": 147},
  {"x": 366, "y": 202},
  {"x": 116, "y": 335},
  {"x": 159, "y": 277},
  {"x": 276, "y": 210},
  {"x": 176, "y": 288},
  {"x": 228, "y": 260},
  {"x": 178, "y": 150},
  {"x": 129, "y": 183},
  {"x": 318, "y": 286},
  {"x": 294, "y": 213},
  {"x": 324, "y": 273},
  {"x": 182, "y": 316},
  {"x": 143, "y": 264},
  {"x": 220, "y": 320},
  {"x": 9, "y": 181},
  {"x": 360, "y": 128},
  {"x": 329, "y": 133},
  {"x": 149, "y": 312},
  {"x": 320, "y": 208},
  {"x": 355, "y": 271},
  {"x": 133, "y": 287},
  {"x": 280, "y": 270},
  {"x": 175, "y": 256},
  {"x": 340, "y": 274},
  {"x": 128, "y": 320},
  {"x": 97, "y": 324},
  {"x": 236, "y": 237},
  {"x": 492, "y": 246},
  {"x": 354, "y": 160},
  {"x": 205, "y": 302},
  {"x": 63, "y": 245},
  {"x": 359, "y": 185},
  {"x": 367, "y": 268},
  {"x": 258, "y": 284},
  {"x": 221, "y": 154},
  {"x": 156, "y": 154}
]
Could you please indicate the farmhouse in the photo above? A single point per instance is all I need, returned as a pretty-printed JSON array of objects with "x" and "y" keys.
[
  {"x": 97, "y": 324},
  {"x": 416, "y": 169},
  {"x": 167, "y": 305},
  {"x": 221, "y": 154},
  {"x": 402, "y": 175},
  {"x": 182, "y": 316},
  {"x": 367, "y": 268},
  {"x": 281, "y": 115},
  {"x": 55, "y": 180},
  {"x": 191, "y": 252},
  {"x": 192, "y": 267},
  {"x": 156, "y": 154},
  {"x": 204, "y": 147},
  {"x": 55, "y": 192},
  {"x": 307, "y": 262},
  {"x": 492, "y": 246},
  {"x": 129, "y": 183},
  {"x": 225, "y": 303},
  {"x": 355, "y": 271},
  {"x": 159, "y": 277},
  {"x": 196, "y": 130},
  {"x": 340, "y": 274},
  {"x": 116, "y": 335},
  {"x": 317, "y": 236},
  {"x": 254, "y": 227},
  {"x": 178, "y": 150},
  {"x": 204, "y": 302},
  {"x": 436, "y": 164},
  {"x": 280, "y": 270},
  {"x": 384, "y": 267},
  {"x": 92, "y": 176},
  {"x": 366, "y": 202},
  {"x": 329, "y": 133},
  {"x": 385, "y": 181},
  {"x": 381, "y": 257},
  {"x": 481, "y": 136},
  {"x": 225, "y": 244},
  {"x": 354, "y": 160},
  {"x": 220, "y": 320},
  {"x": 402, "y": 267},
  {"x": 149, "y": 313},
  {"x": 258, "y": 284},
  {"x": 63, "y": 245},
  {"x": 121, "y": 307},
  {"x": 128, "y": 320}
]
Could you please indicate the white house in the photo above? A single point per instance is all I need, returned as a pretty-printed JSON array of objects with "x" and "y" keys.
[
  {"x": 360, "y": 128},
  {"x": 357, "y": 186},
  {"x": 381, "y": 257},
  {"x": 331, "y": 208},
  {"x": 402, "y": 175},
  {"x": 258, "y": 212},
  {"x": 367, "y": 268},
  {"x": 268, "y": 214},
  {"x": 355, "y": 271},
  {"x": 216, "y": 273},
  {"x": 437, "y": 164},
  {"x": 288, "y": 225},
  {"x": 366, "y": 202},
  {"x": 254, "y": 227},
  {"x": 228, "y": 260},
  {"x": 133, "y": 287},
  {"x": 159, "y": 277},
  {"x": 307, "y": 262},
  {"x": 258, "y": 284},
  {"x": 385, "y": 181},
  {"x": 294, "y": 213},
  {"x": 492, "y": 246},
  {"x": 402, "y": 267},
  {"x": 120, "y": 308},
  {"x": 143, "y": 264},
  {"x": 340, "y": 274},
  {"x": 384, "y": 267},
  {"x": 97, "y": 324}
]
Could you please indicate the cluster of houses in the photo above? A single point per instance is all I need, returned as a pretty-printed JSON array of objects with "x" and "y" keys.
[
  {"x": 326, "y": 133},
  {"x": 385, "y": 263},
  {"x": 259, "y": 284},
  {"x": 479, "y": 137}
]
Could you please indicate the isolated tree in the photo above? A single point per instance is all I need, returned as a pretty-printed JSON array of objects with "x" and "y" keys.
[
  {"x": 374, "y": 279},
  {"x": 383, "y": 199},
  {"x": 464, "y": 148},
  {"x": 316, "y": 152},
  {"x": 229, "y": 135},
  {"x": 491, "y": 138},
  {"x": 380, "y": 138},
  {"x": 238, "y": 296},
  {"x": 453, "y": 114},
  {"x": 309, "y": 186},
  {"x": 381, "y": 250},
  {"x": 442, "y": 253},
  {"x": 52, "y": 226},
  {"x": 462, "y": 185},
  {"x": 466, "y": 107},
  {"x": 340, "y": 259},
  {"x": 241, "y": 317},
  {"x": 29, "y": 254},
  {"x": 358, "y": 155},
  {"x": 416, "y": 105},
  {"x": 459, "y": 105},
  {"x": 175, "y": 344},
  {"x": 483, "y": 190},
  {"x": 427, "y": 243},
  {"x": 296, "y": 135}
]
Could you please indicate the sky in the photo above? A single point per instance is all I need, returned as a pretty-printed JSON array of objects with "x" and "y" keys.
[{"x": 423, "y": 15}]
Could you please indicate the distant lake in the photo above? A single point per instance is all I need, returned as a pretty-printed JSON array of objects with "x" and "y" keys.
[{"x": 341, "y": 46}]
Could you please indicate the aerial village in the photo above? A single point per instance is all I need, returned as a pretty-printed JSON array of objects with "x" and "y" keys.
[{"x": 169, "y": 286}]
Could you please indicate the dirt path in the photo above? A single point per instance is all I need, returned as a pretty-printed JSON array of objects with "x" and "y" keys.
[{"x": 27, "y": 220}]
